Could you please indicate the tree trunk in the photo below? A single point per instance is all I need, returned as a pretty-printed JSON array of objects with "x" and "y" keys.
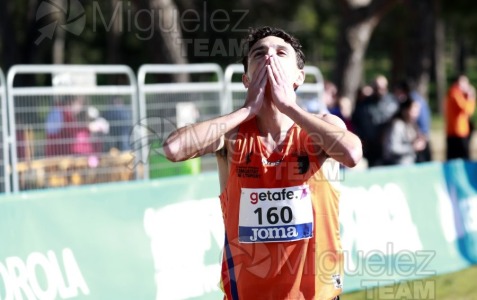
[
  {"x": 398, "y": 55},
  {"x": 420, "y": 44},
  {"x": 358, "y": 21},
  {"x": 440, "y": 61},
  {"x": 354, "y": 39},
  {"x": 169, "y": 46},
  {"x": 58, "y": 51},
  {"x": 32, "y": 52},
  {"x": 461, "y": 57},
  {"x": 114, "y": 36},
  {"x": 9, "y": 42}
]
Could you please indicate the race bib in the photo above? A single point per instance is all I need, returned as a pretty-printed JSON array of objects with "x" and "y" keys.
[{"x": 275, "y": 215}]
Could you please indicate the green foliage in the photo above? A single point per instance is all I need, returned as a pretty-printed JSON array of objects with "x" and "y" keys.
[
  {"x": 461, "y": 16},
  {"x": 306, "y": 17},
  {"x": 388, "y": 37},
  {"x": 315, "y": 23}
]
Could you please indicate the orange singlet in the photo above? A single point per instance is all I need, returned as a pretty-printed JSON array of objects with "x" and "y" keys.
[{"x": 281, "y": 222}]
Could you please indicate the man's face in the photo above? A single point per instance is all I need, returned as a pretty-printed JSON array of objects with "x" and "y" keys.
[
  {"x": 381, "y": 85},
  {"x": 273, "y": 46}
]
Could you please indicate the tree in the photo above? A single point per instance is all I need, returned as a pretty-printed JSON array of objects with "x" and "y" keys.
[
  {"x": 358, "y": 21},
  {"x": 439, "y": 57},
  {"x": 59, "y": 39},
  {"x": 114, "y": 53},
  {"x": 18, "y": 32},
  {"x": 412, "y": 44},
  {"x": 420, "y": 43},
  {"x": 167, "y": 46},
  {"x": 9, "y": 42},
  {"x": 459, "y": 17}
]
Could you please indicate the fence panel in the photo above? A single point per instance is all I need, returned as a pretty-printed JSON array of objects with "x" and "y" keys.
[
  {"x": 166, "y": 104},
  {"x": 71, "y": 124},
  {"x": 4, "y": 170},
  {"x": 309, "y": 94}
]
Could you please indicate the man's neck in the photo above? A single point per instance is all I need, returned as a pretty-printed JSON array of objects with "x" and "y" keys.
[{"x": 271, "y": 122}]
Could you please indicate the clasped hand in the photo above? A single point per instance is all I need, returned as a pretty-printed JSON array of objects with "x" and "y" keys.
[{"x": 270, "y": 70}]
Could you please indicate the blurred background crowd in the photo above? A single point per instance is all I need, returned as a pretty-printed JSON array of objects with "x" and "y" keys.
[
  {"x": 394, "y": 123},
  {"x": 398, "y": 72}
]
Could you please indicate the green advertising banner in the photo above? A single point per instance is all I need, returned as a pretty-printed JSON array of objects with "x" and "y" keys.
[
  {"x": 144, "y": 240},
  {"x": 162, "y": 239},
  {"x": 461, "y": 178},
  {"x": 398, "y": 224}
]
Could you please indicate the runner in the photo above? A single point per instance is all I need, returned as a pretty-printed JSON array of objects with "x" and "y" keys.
[{"x": 280, "y": 213}]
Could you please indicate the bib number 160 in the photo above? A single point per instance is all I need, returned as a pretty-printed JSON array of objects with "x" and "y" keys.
[{"x": 273, "y": 217}]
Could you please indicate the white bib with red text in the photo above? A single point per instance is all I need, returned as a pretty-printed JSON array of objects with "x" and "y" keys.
[{"x": 275, "y": 215}]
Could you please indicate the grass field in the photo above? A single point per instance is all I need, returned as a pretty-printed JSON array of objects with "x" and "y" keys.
[{"x": 460, "y": 285}]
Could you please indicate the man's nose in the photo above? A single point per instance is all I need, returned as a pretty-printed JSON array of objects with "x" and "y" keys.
[{"x": 271, "y": 51}]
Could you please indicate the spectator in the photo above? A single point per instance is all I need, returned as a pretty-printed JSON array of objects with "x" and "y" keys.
[
  {"x": 82, "y": 144},
  {"x": 330, "y": 98},
  {"x": 371, "y": 116},
  {"x": 345, "y": 112},
  {"x": 402, "y": 91},
  {"x": 363, "y": 93},
  {"x": 119, "y": 117},
  {"x": 338, "y": 106},
  {"x": 61, "y": 125},
  {"x": 311, "y": 103},
  {"x": 460, "y": 105},
  {"x": 98, "y": 128},
  {"x": 402, "y": 139}
]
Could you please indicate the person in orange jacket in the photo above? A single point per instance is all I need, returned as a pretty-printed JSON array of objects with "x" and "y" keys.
[{"x": 460, "y": 105}]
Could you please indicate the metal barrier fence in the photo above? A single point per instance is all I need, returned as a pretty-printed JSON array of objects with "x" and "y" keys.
[
  {"x": 78, "y": 124},
  {"x": 5, "y": 162},
  {"x": 166, "y": 105},
  {"x": 235, "y": 91},
  {"x": 309, "y": 94},
  {"x": 74, "y": 128}
]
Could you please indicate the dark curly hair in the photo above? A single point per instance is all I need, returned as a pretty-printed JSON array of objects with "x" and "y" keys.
[{"x": 256, "y": 34}]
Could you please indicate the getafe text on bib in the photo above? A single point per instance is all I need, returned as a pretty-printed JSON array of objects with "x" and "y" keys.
[{"x": 275, "y": 215}]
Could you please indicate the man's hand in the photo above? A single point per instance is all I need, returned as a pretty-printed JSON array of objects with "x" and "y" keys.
[
  {"x": 256, "y": 88},
  {"x": 283, "y": 94}
]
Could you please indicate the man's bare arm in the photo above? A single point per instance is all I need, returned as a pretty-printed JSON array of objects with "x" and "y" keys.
[
  {"x": 202, "y": 138},
  {"x": 207, "y": 137}
]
